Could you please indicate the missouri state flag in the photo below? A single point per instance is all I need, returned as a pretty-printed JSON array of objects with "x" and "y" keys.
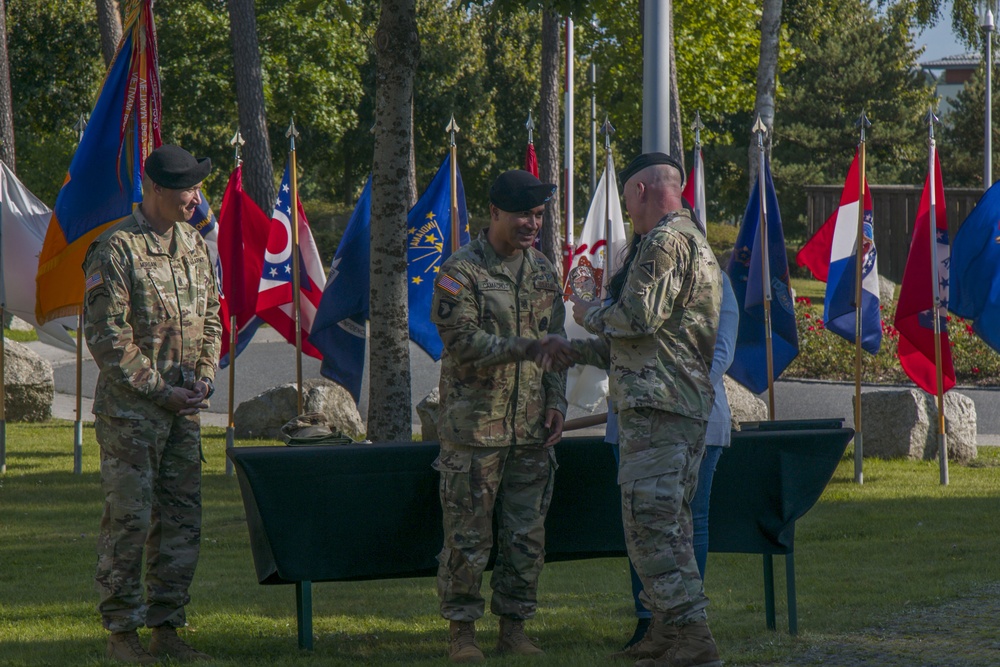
[
  {"x": 340, "y": 330},
  {"x": 105, "y": 175},
  {"x": 274, "y": 299},
  {"x": 840, "y": 302},
  {"x": 747, "y": 272},
  {"x": 428, "y": 245},
  {"x": 975, "y": 268},
  {"x": 925, "y": 282}
]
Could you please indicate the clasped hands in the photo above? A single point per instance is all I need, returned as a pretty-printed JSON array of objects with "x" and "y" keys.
[
  {"x": 551, "y": 353},
  {"x": 188, "y": 401}
]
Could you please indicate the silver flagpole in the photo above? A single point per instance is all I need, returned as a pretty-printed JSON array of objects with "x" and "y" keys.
[{"x": 81, "y": 125}]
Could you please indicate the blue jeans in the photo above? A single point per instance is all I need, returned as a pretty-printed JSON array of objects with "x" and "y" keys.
[{"x": 699, "y": 515}]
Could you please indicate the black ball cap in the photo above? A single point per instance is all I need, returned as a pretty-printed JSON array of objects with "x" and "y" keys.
[
  {"x": 173, "y": 167},
  {"x": 640, "y": 162},
  {"x": 517, "y": 190}
]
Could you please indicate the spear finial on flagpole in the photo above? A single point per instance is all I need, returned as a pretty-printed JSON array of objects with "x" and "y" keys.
[
  {"x": 456, "y": 232},
  {"x": 607, "y": 129},
  {"x": 698, "y": 126},
  {"x": 531, "y": 128},
  {"x": 932, "y": 233},
  {"x": 80, "y": 126},
  {"x": 292, "y": 133},
  {"x": 761, "y": 130},
  {"x": 237, "y": 143},
  {"x": 862, "y": 123}
]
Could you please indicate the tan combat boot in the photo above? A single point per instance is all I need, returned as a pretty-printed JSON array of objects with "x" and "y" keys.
[
  {"x": 695, "y": 647},
  {"x": 659, "y": 638},
  {"x": 462, "y": 647},
  {"x": 512, "y": 639},
  {"x": 166, "y": 644},
  {"x": 125, "y": 647}
]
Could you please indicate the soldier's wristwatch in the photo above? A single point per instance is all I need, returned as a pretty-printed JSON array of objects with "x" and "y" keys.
[{"x": 211, "y": 387}]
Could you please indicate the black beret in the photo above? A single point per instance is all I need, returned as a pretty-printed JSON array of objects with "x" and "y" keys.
[
  {"x": 517, "y": 190},
  {"x": 174, "y": 168},
  {"x": 640, "y": 162}
]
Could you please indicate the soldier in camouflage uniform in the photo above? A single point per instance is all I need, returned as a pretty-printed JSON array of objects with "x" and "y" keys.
[
  {"x": 658, "y": 335},
  {"x": 151, "y": 312},
  {"x": 497, "y": 303}
]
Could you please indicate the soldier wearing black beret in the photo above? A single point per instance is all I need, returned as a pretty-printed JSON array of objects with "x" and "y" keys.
[{"x": 495, "y": 301}]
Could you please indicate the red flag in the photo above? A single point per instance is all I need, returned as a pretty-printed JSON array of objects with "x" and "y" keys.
[
  {"x": 531, "y": 160},
  {"x": 243, "y": 233},
  {"x": 916, "y": 295},
  {"x": 815, "y": 254}
]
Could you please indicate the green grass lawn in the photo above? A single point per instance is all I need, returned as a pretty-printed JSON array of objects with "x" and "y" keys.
[{"x": 863, "y": 554}]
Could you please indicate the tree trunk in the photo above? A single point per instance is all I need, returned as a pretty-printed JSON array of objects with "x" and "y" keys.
[
  {"x": 676, "y": 132},
  {"x": 109, "y": 21},
  {"x": 397, "y": 48},
  {"x": 6, "y": 98},
  {"x": 767, "y": 72},
  {"x": 547, "y": 136},
  {"x": 258, "y": 174}
]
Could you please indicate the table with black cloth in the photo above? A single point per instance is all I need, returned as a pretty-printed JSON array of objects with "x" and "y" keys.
[{"x": 371, "y": 511}]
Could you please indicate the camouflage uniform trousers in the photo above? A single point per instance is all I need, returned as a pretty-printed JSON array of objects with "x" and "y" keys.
[
  {"x": 517, "y": 481},
  {"x": 151, "y": 477},
  {"x": 656, "y": 508}
]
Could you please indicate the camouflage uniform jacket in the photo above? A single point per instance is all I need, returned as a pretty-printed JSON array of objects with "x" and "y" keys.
[
  {"x": 660, "y": 334},
  {"x": 490, "y": 396},
  {"x": 151, "y": 317}
]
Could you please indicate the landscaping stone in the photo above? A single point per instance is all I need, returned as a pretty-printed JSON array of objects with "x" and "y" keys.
[
  {"x": 886, "y": 291},
  {"x": 28, "y": 383},
  {"x": 263, "y": 415},
  {"x": 427, "y": 410},
  {"x": 743, "y": 403},
  {"x": 903, "y": 423}
]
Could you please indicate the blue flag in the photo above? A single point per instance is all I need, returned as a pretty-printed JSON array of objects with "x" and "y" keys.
[
  {"x": 975, "y": 278},
  {"x": 339, "y": 328},
  {"x": 745, "y": 269},
  {"x": 428, "y": 245}
]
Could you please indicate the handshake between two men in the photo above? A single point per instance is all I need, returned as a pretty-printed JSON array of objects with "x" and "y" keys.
[{"x": 555, "y": 353}]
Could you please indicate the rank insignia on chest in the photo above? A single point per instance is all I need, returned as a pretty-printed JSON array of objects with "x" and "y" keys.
[
  {"x": 95, "y": 279},
  {"x": 449, "y": 284}
]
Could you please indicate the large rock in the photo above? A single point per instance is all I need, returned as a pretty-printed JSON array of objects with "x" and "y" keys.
[
  {"x": 427, "y": 410},
  {"x": 903, "y": 423},
  {"x": 263, "y": 415},
  {"x": 886, "y": 291},
  {"x": 28, "y": 384},
  {"x": 743, "y": 403}
]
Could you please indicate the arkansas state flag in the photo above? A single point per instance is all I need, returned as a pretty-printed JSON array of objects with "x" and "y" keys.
[
  {"x": 839, "y": 304},
  {"x": 274, "y": 300},
  {"x": 243, "y": 234},
  {"x": 975, "y": 278},
  {"x": 922, "y": 282}
]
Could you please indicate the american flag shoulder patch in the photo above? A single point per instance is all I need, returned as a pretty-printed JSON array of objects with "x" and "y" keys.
[
  {"x": 94, "y": 279},
  {"x": 449, "y": 284}
]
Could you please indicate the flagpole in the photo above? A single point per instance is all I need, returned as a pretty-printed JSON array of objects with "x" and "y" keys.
[
  {"x": 859, "y": 255},
  {"x": 568, "y": 155},
  {"x": 607, "y": 130},
  {"x": 291, "y": 133},
  {"x": 456, "y": 232},
  {"x": 80, "y": 126},
  {"x": 236, "y": 142},
  {"x": 3, "y": 365},
  {"x": 698, "y": 126},
  {"x": 759, "y": 129},
  {"x": 936, "y": 298}
]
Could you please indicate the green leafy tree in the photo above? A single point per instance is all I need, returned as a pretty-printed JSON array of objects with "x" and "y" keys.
[{"x": 851, "y": 58}]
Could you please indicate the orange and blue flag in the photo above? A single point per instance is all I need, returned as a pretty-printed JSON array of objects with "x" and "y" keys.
[{"x": 105, "y": 175}]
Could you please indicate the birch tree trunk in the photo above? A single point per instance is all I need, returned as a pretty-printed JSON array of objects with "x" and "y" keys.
[
  {"x": 6, "y": 98},
  {"x": 258, "y": 174},
  {"x": 109, "y": 21},
  {"x": 397, "y": 47},
  {"x": 547, "y": 137},
  {"x": 767, "y": 72}
]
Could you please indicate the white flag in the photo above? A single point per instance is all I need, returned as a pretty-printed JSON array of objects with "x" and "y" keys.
[
  {"x": 24, "y": 220},
  {"x": 587, "y": 386}
]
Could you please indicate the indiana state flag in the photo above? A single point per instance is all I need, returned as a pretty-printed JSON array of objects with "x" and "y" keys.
[
  {"x": 339, "y": 332},
  {"x": 105, "y": 175},
  {"x": 840, "y": 302},
  {"x": 428, "y": 246},
  {"x": 975, "y": 268},
  {"x": 746, "y": 271}
]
